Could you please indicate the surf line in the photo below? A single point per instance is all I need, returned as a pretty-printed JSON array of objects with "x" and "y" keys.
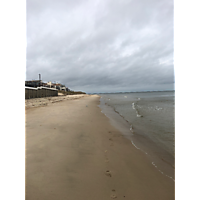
[
  {"x": 134, "y": 145},
  {"x": 137, "y": 147},
  {"x": 134, "y": 108},
  {"x": 153, "y": 163},
  {"x": 161, "y": 171}
]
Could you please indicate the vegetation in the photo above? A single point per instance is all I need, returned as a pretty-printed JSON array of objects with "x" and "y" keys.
[{"x": 70, "y": 92}]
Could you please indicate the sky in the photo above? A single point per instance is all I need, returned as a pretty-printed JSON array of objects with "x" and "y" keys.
[{"x": 101, "y": 45}]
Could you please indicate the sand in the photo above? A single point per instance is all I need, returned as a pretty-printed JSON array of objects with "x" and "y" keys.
[
  {"x": 38, "y": 102},
  {"x": 73, "y": 152}
]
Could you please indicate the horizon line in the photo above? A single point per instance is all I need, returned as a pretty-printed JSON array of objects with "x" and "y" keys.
[{"x": 132, "y": 91}]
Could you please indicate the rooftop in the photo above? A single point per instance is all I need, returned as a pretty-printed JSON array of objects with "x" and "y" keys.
[{"x": 34, "y": 81}]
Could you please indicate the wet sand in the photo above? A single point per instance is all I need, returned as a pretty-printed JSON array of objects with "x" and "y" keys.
[{"x": 73, "y": 152}]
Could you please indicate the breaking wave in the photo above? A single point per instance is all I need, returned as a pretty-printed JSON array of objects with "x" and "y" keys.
[{"x": 134, "y": 105}]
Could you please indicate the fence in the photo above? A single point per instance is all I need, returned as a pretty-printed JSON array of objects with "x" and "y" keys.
[{"x": 40, "y": 92}]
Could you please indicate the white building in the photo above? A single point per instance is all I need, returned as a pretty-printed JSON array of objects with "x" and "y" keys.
[{"x": 57, "y": 86}]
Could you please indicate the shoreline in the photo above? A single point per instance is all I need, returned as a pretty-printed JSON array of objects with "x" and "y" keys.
[
  {"x": 162, "y": 159},
  {"x": 74, "y": 152}
]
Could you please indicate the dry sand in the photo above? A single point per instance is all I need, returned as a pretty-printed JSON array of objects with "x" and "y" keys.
[
  {"x": 73, "y": 152},
  {"x": 38, "y": 102}
]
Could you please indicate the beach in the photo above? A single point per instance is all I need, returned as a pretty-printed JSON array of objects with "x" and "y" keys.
[
  {"x": 38, "y": 102},
  {"x": 74, "y": 152},
  {"x": 147, "y": 120}
]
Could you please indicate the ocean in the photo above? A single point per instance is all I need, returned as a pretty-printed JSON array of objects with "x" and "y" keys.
[{"x": 147, "y": 120}]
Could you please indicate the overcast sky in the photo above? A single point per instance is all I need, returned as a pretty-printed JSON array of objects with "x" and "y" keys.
[{"x": 101, "y": 45}]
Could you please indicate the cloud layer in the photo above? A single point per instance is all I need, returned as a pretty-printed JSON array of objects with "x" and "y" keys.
[{"x": 101, "y": 45}]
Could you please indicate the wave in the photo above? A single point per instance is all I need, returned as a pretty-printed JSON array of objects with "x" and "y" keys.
[{"x": 134, "y": 105}]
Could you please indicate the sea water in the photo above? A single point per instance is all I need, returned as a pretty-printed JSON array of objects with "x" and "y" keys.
[{"x": 150, "y": 117}]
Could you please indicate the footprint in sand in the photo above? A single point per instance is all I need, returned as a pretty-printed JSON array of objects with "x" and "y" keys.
[
  {"x": 106, "y": 156},
  {"x": 108, "y": 173},
  {"x": 113, "y": 196}
]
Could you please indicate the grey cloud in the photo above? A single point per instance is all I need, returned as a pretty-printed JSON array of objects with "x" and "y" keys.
[{"x": 99, "y": 46}]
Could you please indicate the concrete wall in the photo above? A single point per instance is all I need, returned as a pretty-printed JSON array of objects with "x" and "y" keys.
[{"x": 39, "y": 92}]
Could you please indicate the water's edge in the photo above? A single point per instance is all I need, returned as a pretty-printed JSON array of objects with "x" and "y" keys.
[{"x": 159, "y": 157}]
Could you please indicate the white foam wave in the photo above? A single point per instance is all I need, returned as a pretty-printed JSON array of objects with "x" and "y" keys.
[
  {"x": 131, "y": 128},
  {"x": 138, "y": 115},
  {"x": 138, "y": 147},
  {"x": 134, "y": 107},
  {"x": 134, "y": 145},
  {"x": 161, "y": 171},
  {"x": 157, "y": 108}
]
